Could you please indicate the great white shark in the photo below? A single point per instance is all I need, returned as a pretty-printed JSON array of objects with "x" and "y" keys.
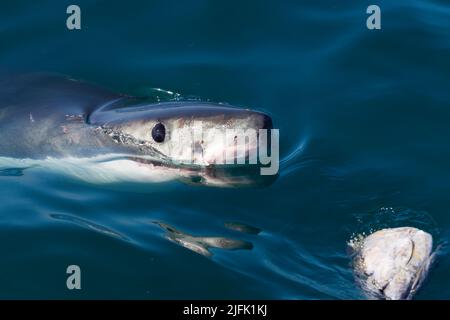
[{"x": 76, "y": 128}]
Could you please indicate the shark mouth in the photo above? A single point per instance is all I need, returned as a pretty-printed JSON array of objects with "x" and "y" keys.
[{"x": 212, "y": 174}]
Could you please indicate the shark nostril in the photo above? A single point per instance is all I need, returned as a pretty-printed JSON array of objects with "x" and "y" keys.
[{"x": 267, "y": 122}]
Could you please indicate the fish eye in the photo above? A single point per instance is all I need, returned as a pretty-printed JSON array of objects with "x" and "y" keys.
[{"x": 159, "y": 132}]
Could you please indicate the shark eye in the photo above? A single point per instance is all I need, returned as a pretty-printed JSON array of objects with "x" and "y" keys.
[{"x": 159, "y": 132}]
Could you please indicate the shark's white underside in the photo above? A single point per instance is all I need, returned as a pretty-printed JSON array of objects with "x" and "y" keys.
[{"x": 98, "y": 169}]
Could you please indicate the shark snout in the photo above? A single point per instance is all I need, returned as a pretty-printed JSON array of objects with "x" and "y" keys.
[{"x": 235, "y": 145}]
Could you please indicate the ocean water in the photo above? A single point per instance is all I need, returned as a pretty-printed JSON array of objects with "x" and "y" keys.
[{"x": 364, "y": 137}]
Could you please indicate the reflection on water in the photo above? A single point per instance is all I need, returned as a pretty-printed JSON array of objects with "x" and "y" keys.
[
  {"x": 242, "y": 227},
  {"x": 203, "y": 244},
  {"x": 87, "y": 224}
]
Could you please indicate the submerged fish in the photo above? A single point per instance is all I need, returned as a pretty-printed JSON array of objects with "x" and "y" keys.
[
  {"x": 393, "y": 263},
  {"x": 55, "y": 122}
]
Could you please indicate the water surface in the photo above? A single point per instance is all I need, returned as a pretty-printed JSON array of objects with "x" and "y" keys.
[{"x": 363, "y": 118}]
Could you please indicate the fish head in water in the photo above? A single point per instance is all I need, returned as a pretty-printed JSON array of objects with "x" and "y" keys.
[
  {"x": 392, "y": 263},
  {"x": 200, "y": 137}
]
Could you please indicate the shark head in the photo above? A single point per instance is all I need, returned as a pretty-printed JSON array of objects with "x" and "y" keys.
[{"x": 204, "y": 142}]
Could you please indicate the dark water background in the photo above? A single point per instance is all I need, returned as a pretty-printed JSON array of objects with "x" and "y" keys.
[{"x": 363, "y": 118}]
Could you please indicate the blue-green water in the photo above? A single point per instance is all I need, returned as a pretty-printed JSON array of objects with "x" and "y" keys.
[{"x": 364, "y": 134}]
